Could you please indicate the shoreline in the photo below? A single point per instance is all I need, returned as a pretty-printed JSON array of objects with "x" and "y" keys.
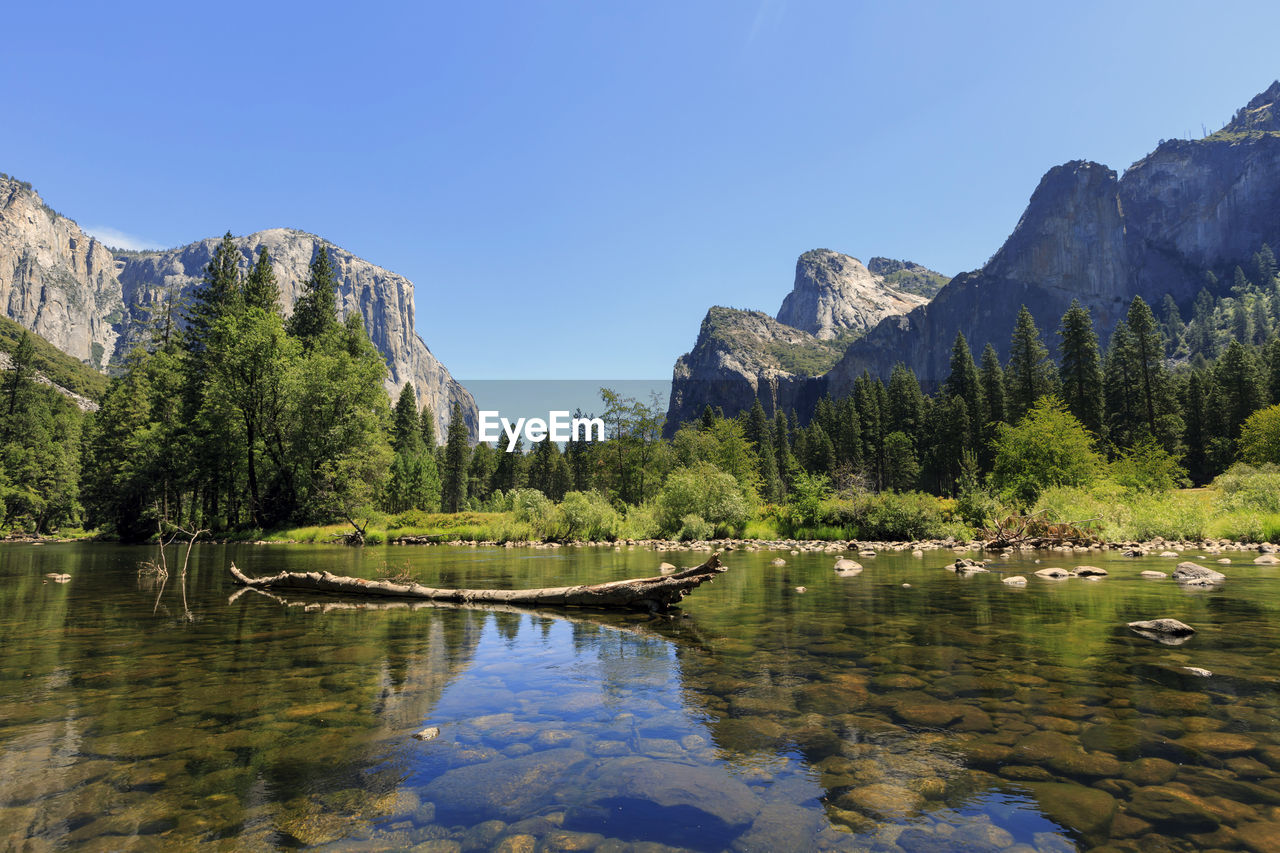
[{"x": 1157, "y": 547}]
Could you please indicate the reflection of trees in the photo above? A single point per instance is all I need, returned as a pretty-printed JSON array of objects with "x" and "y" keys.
[{"x": 125, "y": 725}]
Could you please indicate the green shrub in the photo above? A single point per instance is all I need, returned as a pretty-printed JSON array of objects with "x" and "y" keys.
[
  {"x": 1148, "y": 467},
  {"x": 641, "y": 522},
  {"x": 977, "y": 507},
  {"x": 1172, "y": 515},
  {"x": 901, "y": 515},
  {"x": 867, "y": 515},
  {"x": 1260, "y": 436},
  {"x": 1048, "y": 447},
  {"x": 588, "y": 515},
  {"x": 535, "y": 509},
  {"x": 1248, "y": 488},
  {"x": 705, "y": 491},
  {"x": 693, "y": 528}
]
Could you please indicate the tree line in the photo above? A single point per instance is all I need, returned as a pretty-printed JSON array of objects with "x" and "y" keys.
[{"x": 233, "y": 418}]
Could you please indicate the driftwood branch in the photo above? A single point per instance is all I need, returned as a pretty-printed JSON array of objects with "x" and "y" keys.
[{"x": 654, "y": 594}]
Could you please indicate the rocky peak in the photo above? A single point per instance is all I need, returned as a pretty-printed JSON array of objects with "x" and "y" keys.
[
  {"x": 383, "y": 299},
  {"x": 835, "y": 293},
  {"x": 94, "y": 304},
  {"x": 1259, "y": 115},
  {"x": 56, "y": 280}
]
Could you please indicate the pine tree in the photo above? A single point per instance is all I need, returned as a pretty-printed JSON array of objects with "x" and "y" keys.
[
  {"x": 260, "y": 287},
  {"x": 17, "y": 379},
  {"x": 963, "y": 382},
  {"x": 545, "y": 470},
  {"x": 1264, "y": 267},
  {"x": 760, "y": 434},
  {"x": 906, "y": 403},
  {"x": 217, "y": 295},
  {"x": 708, "y": 419},
  {"x": 992, "y": 379},
  {"x": 1196, "y": 432},
  {"x": 406, "y": 433},
  {"x": 902, "y": 468},
  {"x": 1202, "y": 331},
  {"x": 427, "y": 423},
  {"x": 1241, "y": 322},
  {"x": 455, "y": 466},
  {"x": 820, "y": 453},
  {"x": 1170, "y": 325},
  {"x": 1081, "y": 369},
  {"x": 1153, "y": 376},
  {"x": 1240, "y": 390},
  {"x": 316, "y": 312},
  {"x": 1240, "y": 284},
  {"x": 787, "y": 466},
  {"x": 848, "y": 437},
  {"x": 872, "y": 402},
  {"x": 1259, "y": 320},
  {"x": 1030, "y": 374},
  {"x": 1122, "y": 390}
]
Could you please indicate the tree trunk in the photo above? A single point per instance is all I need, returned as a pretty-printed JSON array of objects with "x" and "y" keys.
[{"x": 654, "y": 594}]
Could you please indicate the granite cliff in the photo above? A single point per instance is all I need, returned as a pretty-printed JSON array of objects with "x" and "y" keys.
[
  {"x": 834, "y": 293},
  {"x": 741, "y": 356},
  {"x": 1188, "y": 207},
  {"x": 90, "y": 301}
]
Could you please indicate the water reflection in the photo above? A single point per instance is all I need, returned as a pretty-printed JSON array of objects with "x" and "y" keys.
[{"x": 955, "y": 714}]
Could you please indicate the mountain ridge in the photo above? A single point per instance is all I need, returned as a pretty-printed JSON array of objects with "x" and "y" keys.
[
  {"x": 92, "y": 303},
  {"x": 742, "y": 355},
  {"x": 1187, "y": 208}
]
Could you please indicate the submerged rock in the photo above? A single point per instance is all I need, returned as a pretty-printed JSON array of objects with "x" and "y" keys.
[
  {"x": 1086, "y": 810},
  {"x": 1193, "y": 574},
  {"x": 1171, "y": 632},
  {"x": 1172, "y": 807},
  {"x": 1154, "y": 575},
  {"x": 664, "y": 792},
  {"x": 508, "y": 787}
]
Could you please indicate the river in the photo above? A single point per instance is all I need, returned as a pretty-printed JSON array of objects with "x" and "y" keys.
[{"x": 902, "y": 709}]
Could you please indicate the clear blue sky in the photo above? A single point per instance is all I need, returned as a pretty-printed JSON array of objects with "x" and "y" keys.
[{"x": 570, "y": 185}]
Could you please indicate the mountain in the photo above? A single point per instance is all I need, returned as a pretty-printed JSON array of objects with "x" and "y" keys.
[
  {"x": 741, "y": 355},
  {"x": 834, "y": 293},
  {"x": 1187, "y": 208},
  {"x": 92, "y": 302}
]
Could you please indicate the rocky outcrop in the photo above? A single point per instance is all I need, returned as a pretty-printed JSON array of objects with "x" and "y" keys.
[
  {"x": 56, "y": 280},
  {"x": 92, "y": 304},
  {"x": 834, "y": 294},
  {"x": 384, "y": 300},
  {"x": 743, "y": 356},
  {"x": 1188, "y": 207}
]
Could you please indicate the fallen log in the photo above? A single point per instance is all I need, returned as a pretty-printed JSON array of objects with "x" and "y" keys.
[
  {"x": 623, "y": 621},
  {"x": 654, "y": 594}
]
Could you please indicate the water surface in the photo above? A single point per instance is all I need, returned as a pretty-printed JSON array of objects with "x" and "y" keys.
[{"x": 905, "y": 708}]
